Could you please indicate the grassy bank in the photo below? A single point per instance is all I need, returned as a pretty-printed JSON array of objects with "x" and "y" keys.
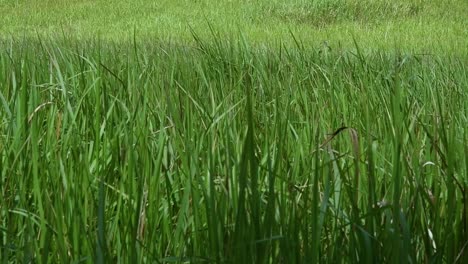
[
  {"x": 222, "y": 152},
  {"x": 421, "y": 26}
]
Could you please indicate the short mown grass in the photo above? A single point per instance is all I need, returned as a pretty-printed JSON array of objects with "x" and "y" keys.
[{"x": 223, "y": 151}]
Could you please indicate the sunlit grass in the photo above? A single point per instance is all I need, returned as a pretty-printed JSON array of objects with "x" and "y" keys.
[
  {"x": 422, "y": 26},
  {"x": 222, "y": 151}
]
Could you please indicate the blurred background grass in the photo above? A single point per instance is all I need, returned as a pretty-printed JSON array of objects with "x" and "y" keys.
[{"x": 421, "y": 26}]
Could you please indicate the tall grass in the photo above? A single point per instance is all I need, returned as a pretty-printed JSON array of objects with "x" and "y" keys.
[{"x": 226, "y": 152}]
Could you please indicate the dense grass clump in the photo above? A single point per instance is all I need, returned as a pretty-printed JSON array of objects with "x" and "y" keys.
[{"x": 224, "y": 152}]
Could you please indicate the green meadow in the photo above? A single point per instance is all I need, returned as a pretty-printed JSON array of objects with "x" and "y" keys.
[
  {"x": 233, "y": 131},
  {"x": 420, "y": 26}
]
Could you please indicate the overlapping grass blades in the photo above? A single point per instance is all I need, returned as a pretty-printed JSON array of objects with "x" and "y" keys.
[{"x": 214, "y": 152}]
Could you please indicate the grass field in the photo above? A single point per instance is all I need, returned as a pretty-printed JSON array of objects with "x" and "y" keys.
[
  {"x": 186, "y": 134},
  {"x": 422, "y": 26}
]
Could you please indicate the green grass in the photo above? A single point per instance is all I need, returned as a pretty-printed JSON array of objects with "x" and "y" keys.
[
  {"x": 422, "y": 26},
  {"x": 233, "y": 131},
  {"x": 225, "y": 152}
]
